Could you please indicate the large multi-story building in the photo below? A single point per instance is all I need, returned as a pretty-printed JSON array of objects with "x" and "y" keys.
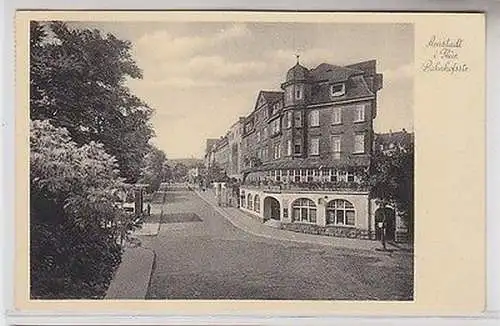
[
  {"x": 305, "y": 151},
  {"x": 307, "y": 148}
]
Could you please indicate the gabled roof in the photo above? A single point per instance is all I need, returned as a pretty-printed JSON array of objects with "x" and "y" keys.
[
  {"x": 270, "y": 97},
  {"x": 332, "y": 73}
]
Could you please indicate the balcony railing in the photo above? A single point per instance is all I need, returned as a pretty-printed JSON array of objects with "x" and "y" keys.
[{"x": 277, "y": 186}]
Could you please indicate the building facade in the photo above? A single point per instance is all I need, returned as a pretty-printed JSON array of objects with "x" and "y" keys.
[
  {"x": 209, "y": 158},
  {"x": 306, "y": 150},
  {"x": 234, "y": 143}
]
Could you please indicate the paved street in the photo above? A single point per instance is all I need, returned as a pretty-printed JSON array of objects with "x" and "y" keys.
[{"x": 201, "y": 255}]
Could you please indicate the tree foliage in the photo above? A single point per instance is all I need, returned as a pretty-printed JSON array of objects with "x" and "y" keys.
[
  {"x": 77, "y": 81},
  {"x": 153, "y": 172},
  {"x": 392, "y": 177},
  {"x": 89, "y": 133},
  {"x": 74, "y": 225}
]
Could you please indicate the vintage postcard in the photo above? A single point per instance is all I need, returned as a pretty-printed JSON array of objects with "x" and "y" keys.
[{"x": 250, "y": 162}]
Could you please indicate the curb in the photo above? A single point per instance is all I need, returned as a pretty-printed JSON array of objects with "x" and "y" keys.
[{"x": 124, "y": 284}]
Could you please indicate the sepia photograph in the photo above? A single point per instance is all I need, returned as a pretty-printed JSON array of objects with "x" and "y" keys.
[{"x": 221, "y": 160}]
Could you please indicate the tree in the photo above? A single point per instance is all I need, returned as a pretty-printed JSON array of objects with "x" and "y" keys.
[
  {"x": 180, "y": 172},
  {"x": 77, "y": 81},
  {"x": 392, "y": 176},
  {"x": 75, "y": 227},
  {"x": 152, "y": 171}
]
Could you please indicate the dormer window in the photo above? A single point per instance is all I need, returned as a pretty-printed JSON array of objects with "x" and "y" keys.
[
  {"x": 276, "y": 107},
  {"x": 337, "y": 90},
  {"x": 248, "y": 127}
]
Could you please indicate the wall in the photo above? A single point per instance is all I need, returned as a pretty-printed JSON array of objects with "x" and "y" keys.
[{"x": 359, "y": 200}]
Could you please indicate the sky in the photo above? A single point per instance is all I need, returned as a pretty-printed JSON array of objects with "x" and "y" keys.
[{"x": 199, "y": 77}]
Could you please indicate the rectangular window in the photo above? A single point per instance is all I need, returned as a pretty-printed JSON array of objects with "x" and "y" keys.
[
  {"x": 289, "y": 148},
  {"x": 314, "y": 147},
  {"x": 333, "y": 176},
  {"x": 314, "y": 118},
  {"x": 296, "y": 177},
  {"x": 359, "y": 113},
  {"x": 258, "y": 136},
  {"x": 350, "y": 176},
  {"x": 342, "y": 176},
  {"x": 278, "y": 175},
  {"x": 289, "y": 117},
  {"x": 336, "y": 144},
  {"x": 299, "y": 92},
  {"x": 337, "y": 90},
  {"x": 298, "y": 119},
  {"x": 359, "y": 143},
  {"x": 297, "y": 147},
  {"x": 275, "y": 126},
  {"x": 337, "y": 115},
  {"x": 276, "y": 151},
  {"x": 289, "y": 93}
]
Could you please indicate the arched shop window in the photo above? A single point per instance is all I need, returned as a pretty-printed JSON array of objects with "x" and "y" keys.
[
  {"x": 249, "y": 201},
  {"x": 256, "y": 203},
  {"x": 340, "y": 212},
  {"x": 304, "y": 210}
]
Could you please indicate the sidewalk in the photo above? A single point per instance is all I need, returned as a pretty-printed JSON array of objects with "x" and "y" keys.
[
  {"x": 131, "y": 280},
  {"x": 151, "y": 225},
  {"x": 251, "y": 225}
]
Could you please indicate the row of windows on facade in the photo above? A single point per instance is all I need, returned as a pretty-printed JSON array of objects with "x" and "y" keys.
[
  {"x": 304, "y": 210},
  {"x": 297, "y": 91},
  {"x": 295, "y": 148},
  {"x": 308, "y": 175},
  {"x": 314, "y": 120}
]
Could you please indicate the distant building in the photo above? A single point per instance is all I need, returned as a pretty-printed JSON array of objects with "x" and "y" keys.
[
  {"x": 221, "y": 153},
  {"x": 209, "y": 152},
  {"x": 234, "y": 136}
]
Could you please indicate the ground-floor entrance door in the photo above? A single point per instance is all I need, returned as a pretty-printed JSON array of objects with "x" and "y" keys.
[{"x": 272, "y": 209}]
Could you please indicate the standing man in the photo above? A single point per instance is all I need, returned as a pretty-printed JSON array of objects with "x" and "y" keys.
[{"x": 383, "y": 227}]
